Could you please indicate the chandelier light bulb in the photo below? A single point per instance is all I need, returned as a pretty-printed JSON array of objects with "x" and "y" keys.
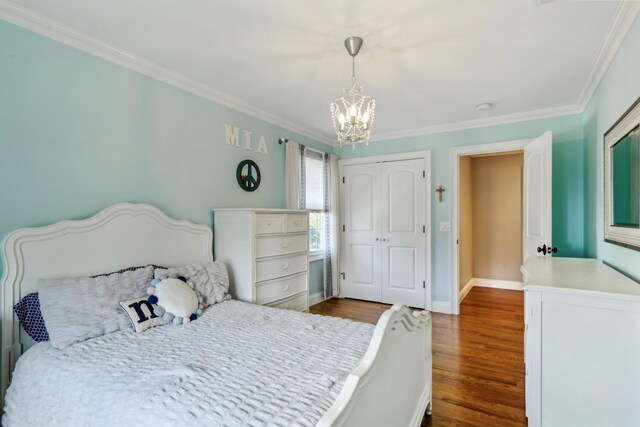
[{"x": 353, "y": 113}]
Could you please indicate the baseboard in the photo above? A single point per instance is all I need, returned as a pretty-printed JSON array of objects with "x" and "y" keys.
[
  {"x": 316, "y": 298},
  {"x": 464, "y": 291},
  {"x": 498, "y": 284},
  {"x": 441, "y": 307}
]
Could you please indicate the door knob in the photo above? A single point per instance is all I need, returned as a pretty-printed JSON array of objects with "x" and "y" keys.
[{"x": 547, "y": 250}]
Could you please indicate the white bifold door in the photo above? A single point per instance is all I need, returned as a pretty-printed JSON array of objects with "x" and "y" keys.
[{"x": 384, "y": 243}]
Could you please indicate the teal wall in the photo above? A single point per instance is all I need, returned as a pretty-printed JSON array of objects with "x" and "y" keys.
[
  {"x": 617, "y": 91},
  {"x": 316, "y": 277},
  {"x": 78, "y": 133},
  {"x": 568, "y": 181}
]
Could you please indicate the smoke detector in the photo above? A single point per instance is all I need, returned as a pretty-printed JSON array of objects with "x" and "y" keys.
[{"x": 484, "y": 106}]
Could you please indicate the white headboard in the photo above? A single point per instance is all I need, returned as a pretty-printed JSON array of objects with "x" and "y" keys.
[{"x": 123, "y": 235}]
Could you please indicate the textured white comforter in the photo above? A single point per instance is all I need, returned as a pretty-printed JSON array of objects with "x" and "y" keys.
[{"x": 239, "y": 364}]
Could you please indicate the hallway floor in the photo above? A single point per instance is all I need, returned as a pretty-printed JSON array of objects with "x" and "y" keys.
[{"x": 478, "y": 357}]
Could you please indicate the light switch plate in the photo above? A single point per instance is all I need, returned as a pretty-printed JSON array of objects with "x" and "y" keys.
[{"x": 445, "y": 226}]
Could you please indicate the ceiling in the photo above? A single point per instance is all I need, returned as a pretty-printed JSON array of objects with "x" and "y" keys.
[{"x": 427, "y": 63}]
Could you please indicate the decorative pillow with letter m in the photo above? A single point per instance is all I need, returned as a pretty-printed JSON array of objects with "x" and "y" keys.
[{"x": 142, "y": 313}]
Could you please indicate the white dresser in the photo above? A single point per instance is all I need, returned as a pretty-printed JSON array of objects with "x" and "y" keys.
[
  {"x": 582, "y": 344},
  {"x": 267, "y": 254}
]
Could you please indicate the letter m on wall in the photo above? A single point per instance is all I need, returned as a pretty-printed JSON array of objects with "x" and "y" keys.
[{"x": 233, "y": 135}]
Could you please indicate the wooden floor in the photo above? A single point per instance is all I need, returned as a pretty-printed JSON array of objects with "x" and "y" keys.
[{"x": 478, "y": 357}]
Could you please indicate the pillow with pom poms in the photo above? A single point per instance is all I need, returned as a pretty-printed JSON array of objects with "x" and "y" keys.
[{"x": 180, "y": 301}]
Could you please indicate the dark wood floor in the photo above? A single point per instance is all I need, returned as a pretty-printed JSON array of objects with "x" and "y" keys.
[{"x": 478, "y": 357}]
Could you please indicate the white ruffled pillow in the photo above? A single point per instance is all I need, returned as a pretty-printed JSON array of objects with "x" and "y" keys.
[{"x": 210, "y": 279}]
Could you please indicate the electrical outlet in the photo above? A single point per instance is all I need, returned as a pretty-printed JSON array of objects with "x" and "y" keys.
[{"x": 445, "y": 226}]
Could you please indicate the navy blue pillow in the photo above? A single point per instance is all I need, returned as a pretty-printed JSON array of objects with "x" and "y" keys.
[{"x": 28, "y": 311}]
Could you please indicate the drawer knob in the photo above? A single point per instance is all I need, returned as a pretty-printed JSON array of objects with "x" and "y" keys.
[
  {"x": 268, "y": 224},
  {"x": 285, "y": 266},
  {"x": 284, "y": 288},
  {"x": 284, "y": 244}
]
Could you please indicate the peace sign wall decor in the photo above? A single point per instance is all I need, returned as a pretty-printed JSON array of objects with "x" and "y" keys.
[{"x": 248, "y": 175}]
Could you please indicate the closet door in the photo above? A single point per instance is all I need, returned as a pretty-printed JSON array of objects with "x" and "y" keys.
[
  {"x": 403, "y": 236},
  {"x": 361, "y": 247}
]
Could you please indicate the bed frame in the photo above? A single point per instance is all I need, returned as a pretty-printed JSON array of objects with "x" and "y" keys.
[{"x": 391, "y": 386}]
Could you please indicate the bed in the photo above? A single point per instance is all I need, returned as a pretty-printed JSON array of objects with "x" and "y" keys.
[{"x": 253, "y": 365}]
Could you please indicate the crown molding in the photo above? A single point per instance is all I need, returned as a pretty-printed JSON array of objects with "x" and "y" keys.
[
  {"x": 55, "y": 30},
  {"x": 626, "y": 14},
  {"x": 625, "y": 17},
  {"x": 480, "y": 123}
]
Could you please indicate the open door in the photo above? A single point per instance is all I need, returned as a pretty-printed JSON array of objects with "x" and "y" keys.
[{"x": 537, "y": 196}]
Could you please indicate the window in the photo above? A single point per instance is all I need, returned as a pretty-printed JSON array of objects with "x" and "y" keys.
[
  {"x": 314, "y": 199},
  {"x": 316, "y": 231}
]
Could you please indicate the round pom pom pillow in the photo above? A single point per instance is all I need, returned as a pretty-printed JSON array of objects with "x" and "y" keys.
[{"x": 177, "y": 298}]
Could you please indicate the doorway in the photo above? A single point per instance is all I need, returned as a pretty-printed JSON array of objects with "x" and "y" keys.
[
  {"x": 490, "y": 221},
  {"x": 535, "y": 214}
]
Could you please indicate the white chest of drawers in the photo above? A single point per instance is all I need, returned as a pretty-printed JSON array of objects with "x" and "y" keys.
[
  {"x": 582, "y": 344},
  {"x": 267, "y": 254}
]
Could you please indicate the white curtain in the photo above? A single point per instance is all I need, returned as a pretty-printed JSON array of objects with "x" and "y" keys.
[
  {"x": 294, "y": 175},
  {"x": 332, "y": 219}
]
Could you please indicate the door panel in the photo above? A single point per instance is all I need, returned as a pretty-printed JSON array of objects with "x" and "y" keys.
[
  {"x": 403, "y": 240},
  {"x": 537, "y": 195},
  {"x": 402, "y": 267},
  {"x": 361, "y": 202},
  {"x": 361, "y": 247},
  {"x": 363, "y": 256},
  {"x": 402, "y": 203}
]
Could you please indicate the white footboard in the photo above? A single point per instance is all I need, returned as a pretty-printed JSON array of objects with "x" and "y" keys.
[{"x": 392, "y": 384}]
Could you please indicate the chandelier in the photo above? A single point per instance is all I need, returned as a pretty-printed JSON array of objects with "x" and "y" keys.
[{"x": 352, "y": 114}]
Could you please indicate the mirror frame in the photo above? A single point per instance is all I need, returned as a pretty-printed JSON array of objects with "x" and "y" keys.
[{"x": 623, "y": 236}]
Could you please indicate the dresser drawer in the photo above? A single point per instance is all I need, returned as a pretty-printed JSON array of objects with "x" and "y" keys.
[
  {"x": 297, "y": 223},
  {"x": 281, "y": 245},
  {"x": 281, "y": 288},
  {"x": 296, "y": 302},
  {"x": 272, "y": 268},
  {"x": 269, "y": 223}
]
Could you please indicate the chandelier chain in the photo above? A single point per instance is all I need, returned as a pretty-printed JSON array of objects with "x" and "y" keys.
[{"x": 353, "y": 72}]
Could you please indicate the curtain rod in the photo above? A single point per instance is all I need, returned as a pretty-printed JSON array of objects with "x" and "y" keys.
[{"x": 285, "y": 140}]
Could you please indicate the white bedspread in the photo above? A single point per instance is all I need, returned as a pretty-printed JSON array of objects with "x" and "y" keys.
[{"x": 239, "y": 364}]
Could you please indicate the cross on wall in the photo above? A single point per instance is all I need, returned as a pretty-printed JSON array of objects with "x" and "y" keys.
[{"x": 440, "y": 190}]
